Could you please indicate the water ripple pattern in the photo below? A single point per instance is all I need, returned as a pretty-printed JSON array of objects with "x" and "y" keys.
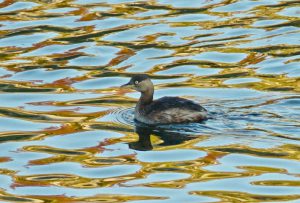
[{"x": 67, "y": 132}]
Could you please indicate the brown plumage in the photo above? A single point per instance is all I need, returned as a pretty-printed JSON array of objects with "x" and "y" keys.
[{"x": 165, "y": 110}]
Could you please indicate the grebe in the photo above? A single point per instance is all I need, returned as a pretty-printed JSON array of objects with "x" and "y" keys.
[{"x": 165, "y": 110}]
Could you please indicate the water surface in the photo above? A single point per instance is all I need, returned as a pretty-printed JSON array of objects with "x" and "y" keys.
[{"x": 66, "y": 128}]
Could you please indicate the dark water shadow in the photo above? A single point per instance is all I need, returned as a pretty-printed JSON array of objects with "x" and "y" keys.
[{"x": 167, "y": 136}]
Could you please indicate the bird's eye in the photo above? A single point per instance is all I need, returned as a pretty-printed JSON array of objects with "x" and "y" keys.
[{"x": 136, "y": 82}]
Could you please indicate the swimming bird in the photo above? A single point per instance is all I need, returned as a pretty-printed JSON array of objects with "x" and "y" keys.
[{"x": 166, "y": 110}]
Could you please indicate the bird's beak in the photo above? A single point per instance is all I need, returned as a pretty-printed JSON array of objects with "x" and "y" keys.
[{"x": 128, "y": 85}]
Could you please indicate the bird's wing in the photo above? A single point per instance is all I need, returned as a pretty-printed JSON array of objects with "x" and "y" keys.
[{"x": 166, "y": 103}]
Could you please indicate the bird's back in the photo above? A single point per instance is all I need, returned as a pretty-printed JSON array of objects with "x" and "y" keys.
[{"x": 173, "y": 110}]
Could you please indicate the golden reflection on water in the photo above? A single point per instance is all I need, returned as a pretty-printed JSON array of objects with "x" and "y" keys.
[{"x": 66, "y": 129}]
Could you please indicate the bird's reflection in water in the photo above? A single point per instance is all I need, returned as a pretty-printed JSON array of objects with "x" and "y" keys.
[{"x": 166, "y": 135}]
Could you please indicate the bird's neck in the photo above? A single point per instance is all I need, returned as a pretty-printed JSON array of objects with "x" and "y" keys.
[{"x": 146, "y": 97}]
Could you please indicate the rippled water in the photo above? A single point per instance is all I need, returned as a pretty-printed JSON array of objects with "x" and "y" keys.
[{"x": 66, "y": 129}]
